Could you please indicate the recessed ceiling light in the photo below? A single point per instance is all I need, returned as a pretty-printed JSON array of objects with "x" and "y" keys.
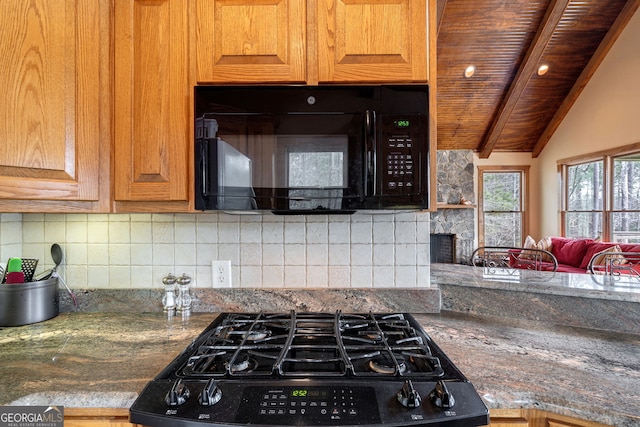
[
  {"x": 542, "y": 70},
  {"x": 468, "y": 72}
]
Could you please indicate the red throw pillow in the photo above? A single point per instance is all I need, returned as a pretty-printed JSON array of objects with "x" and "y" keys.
[
  {"x": 593, "y": 249},
  {"x": 629, "y": 247},
  {"x": 569, "y": 251}
]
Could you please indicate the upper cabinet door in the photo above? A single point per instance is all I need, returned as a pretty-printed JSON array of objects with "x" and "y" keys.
[
  {"x": 372, "y": 41},
  {"x": 251, "y": 41},
  {"x": 53, "y": 128},
  {"x": 152, "y": 102}
]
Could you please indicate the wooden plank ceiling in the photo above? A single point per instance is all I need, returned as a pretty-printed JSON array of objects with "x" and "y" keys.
[{"x": 506, "y": 105}]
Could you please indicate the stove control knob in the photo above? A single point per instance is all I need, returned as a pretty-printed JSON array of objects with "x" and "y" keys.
[
  {"x": 178, "y": 394},
  {"x": 409, "y": 396},
  {"x": 211, "y": 394},
  {"x": 441, "y": 397}
]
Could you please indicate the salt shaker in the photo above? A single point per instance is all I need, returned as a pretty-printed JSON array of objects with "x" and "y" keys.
[
  {"x": 184, "y": 298},
  {"x": 169, "y": 298}
]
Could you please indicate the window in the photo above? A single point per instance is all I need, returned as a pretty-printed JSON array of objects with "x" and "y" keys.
[
  {"x": 502, "y": 217},
  {"x": 601, "y": 196},
  {"x": 625, "y": 197},
  {"x": 585, "y": 200}
]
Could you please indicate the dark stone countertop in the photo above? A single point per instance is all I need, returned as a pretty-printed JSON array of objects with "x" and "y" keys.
[
  {"x": 579, "y": 300},
  {"x": 98, "y": 359}
]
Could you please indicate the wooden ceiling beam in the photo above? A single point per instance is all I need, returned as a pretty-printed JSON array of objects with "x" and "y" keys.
[
  {"x": 441, "y": 6},
  {"x": 527, "y": 68},
  {"x": 609, "y": 40}
]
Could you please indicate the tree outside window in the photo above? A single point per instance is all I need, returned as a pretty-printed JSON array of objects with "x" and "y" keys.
[
  {"x": 585, "y": 200},
  {"x": 502, "y": 219},
  {"x": 625, "y": 215},
  {"x": 601, "y": 197}
]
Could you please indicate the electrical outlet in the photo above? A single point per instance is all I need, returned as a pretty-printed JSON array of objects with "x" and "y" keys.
[{"x": 221, "y": 274}]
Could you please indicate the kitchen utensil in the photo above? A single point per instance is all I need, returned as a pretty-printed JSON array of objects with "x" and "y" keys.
[
  {"x": 14, "y": 277},
  {"x": 28, "y": 268},
  {"x": 14, "y": 265},
  {"x": 25, "y": 266},
  {"x": 56, "y": 255},
  {"x": 14, "y": 273}
]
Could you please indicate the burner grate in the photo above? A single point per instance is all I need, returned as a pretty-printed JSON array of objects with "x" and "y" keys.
[{"x": 313, "y": 345}]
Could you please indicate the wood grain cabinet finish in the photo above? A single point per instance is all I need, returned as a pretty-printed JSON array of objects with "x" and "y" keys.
[
  {"x": 97, "y": 417},
  {"x": 54, "y": 123},
  {"x": 152, "y": 103},
  {"x": 96, "y": 114},
  {"x": 251, "y": 41},
  {"x": 315, "y": 41},
  {"x": 372, "y": 40},
  {"x": 535, "y": 418},
  {"x": 111, "y": 417}
]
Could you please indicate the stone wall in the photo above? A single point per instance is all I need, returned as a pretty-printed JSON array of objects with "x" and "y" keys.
[{"x": 455, "y": 181}]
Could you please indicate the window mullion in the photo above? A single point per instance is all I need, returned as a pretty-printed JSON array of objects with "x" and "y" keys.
[{"x": 607, "y": 188}]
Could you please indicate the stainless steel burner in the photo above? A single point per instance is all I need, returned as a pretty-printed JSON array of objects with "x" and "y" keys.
[
  {"x": 242, "y": 364},
  {"x": 379, "y": 367},
  {"x": 253, "y": 335}
]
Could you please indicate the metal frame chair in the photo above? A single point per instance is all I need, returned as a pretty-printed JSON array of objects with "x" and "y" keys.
[{"x": 501, "y": 257}]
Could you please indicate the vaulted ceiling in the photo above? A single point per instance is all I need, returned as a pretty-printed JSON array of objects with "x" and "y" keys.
[{"x": 506, "y": 105}]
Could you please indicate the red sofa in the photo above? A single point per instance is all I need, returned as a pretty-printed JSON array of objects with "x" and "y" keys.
[{"x": 575, "y": 255}]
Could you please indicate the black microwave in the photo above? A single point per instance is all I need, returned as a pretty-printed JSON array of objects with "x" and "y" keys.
[{"x": 311, "y": 149}]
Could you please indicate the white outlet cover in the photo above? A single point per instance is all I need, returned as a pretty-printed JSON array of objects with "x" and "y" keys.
[{"x": 221, "y": 274}]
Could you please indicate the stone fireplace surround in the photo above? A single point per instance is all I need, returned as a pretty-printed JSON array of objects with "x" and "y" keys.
[{"x": 455, "y": 180}]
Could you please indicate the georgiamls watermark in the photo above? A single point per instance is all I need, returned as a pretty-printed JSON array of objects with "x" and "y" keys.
[{"x": 31, "y": 416}]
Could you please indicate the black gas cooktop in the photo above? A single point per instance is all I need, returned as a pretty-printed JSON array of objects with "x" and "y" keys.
[{"x": 311, "y": 369}]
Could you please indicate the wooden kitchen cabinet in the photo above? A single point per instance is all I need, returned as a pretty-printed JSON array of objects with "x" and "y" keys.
[
  {"x": 508, "y": 418},
  {"x": 314, "y": 41},
  {"x": 112, "y": 417},
  {"x": 372, "y": 40},
  {"x": 250, "y": 41},
  {"x": 54, "y": 110},
  {"x": 535, "y": 418},
  {"x": 97, "y": 417},
  {"x": 547, "y": 419},
  {"x": 152, "y": 104}
]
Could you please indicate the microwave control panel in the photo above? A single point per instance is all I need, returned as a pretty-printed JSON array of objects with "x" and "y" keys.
[{"x": 401, "y": 154}]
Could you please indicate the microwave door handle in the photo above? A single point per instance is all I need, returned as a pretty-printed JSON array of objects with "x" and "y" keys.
[
  {"x": 370, "y": 153},
  {"x": 204, "y": 166}
]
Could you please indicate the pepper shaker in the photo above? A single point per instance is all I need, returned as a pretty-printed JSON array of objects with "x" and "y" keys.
[
  {"x": 169, "y": 298},
  {"x": 184, "y": 298}
]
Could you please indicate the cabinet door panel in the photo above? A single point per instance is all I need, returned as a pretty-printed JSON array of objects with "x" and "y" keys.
[
  {"x": 97, "y": 417},
  {"x": 367, "y": 40},
  {"x": 509, "y": 423},
  {"x": 51, "y": 69},
  {"x": 152, "y": 100},
  {"x": 250, "y": 41}
]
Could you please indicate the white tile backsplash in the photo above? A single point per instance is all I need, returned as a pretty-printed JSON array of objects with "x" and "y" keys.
[
  {"x": 11, "y": 231},
  {"x": 361, "y": 232},
  {"x": 295, "y": 254},
  {"x": 273, "y": 254},
  {"x": 339, "y": 232},
  {"x": 137, "y": 250}
]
